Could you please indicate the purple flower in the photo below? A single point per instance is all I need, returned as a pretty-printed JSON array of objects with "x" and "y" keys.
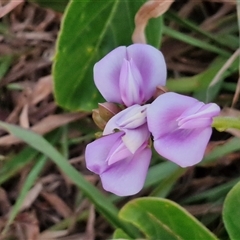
[
  {"x": 181, "y": 127},
  {"x": 122, "y": 156},
  {"x": 130, "y": 75}
]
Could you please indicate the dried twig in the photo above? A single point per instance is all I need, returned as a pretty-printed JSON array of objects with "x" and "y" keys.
[
  {"x": 217, "y": 77},
  {"x": 9, "y": 7},
  {"x": 46, "y": 125},
  {"x": 151, "y": 9}
]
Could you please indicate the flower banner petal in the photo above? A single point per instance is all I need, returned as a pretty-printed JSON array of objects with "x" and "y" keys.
[
  {"x": 152, "y": 66},
  {"x": 130, "y": 83},
  {"x": 106, "y": 74},
  {"x": 130, "y": 75}
]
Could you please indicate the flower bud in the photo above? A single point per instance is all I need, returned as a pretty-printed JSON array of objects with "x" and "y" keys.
[
  {"x": 107, "y": 110},
  {"x": 159, "y": 91},
  {"x": 99, "y": 121}
]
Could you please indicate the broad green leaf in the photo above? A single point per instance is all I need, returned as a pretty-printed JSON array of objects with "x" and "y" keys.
[
  {"x": 231, "y": 212},
  {"x": 119, "y": 234},
  {"x": 154, "y": 31},
  {"x": 160, "y": 218},
  {"x": 102, "y": 204},
  {"x": 82, "y": 31},
  {"x": 90, "y": 29}
]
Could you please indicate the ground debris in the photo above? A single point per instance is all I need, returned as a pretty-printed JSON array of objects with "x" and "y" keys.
[{"x": 54, "y": 208}]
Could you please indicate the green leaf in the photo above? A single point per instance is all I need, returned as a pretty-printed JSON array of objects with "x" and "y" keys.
[
  {"x": 119, "y": 234},
  {"x": 5, "y": 63},
  {"x": 195, "y": 42},
  {"x": 230, "y": 146},
  {"x": 16, "y": 163},
  {"x": 57, "y": 5},
  {"x": 160, "y": 172},
  {"x": 166, "y": 185},
  {"x": 82, "y": 31},
  {"x": 102, "y": 204},
  {"x": 199, "y": 83},
  {"x": 154, "y": 31},
  {"x": 160, "y": 218},
  {"x": 216, "y": 194},
  {"x": 231, "y": 212},
  {"x": 25, "y": 189},
  {"x": 90, "y": 29},
  {"x": 191, "y": 25}
]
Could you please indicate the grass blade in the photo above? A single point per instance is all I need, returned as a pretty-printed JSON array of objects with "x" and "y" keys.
[
  {"x": 102, "y": 204},
  {"x": 32, "y": 176},
  {"x": 195, "y": 42}
]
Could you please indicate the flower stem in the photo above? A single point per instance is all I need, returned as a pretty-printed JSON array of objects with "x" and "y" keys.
[{"x": 223, "y": 123}]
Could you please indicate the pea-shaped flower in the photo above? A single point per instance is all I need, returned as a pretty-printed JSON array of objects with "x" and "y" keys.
[
  {"x": 122, "y": 156},
  {"x": 130, "y": 75},
  {"x": 181, "y": 127}
]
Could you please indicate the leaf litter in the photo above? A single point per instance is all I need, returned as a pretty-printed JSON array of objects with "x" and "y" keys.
[{"x": 53, "y": 208}]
